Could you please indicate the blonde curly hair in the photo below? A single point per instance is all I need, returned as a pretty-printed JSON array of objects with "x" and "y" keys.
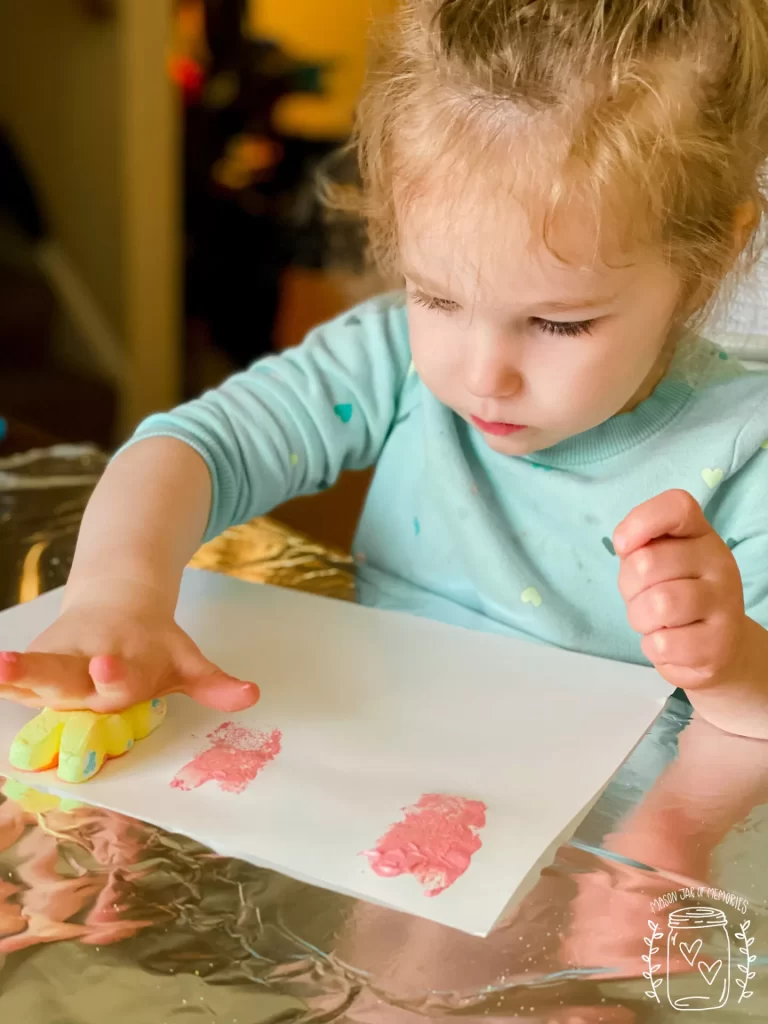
[{"x": 654, "y": 109}]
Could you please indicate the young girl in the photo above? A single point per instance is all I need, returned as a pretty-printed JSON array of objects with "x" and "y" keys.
[{"x": 562, "y": 185}]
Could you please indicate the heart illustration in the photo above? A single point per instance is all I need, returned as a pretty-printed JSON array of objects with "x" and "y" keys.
[
  {"x": 712, "y": 477},
  {"x": 608, "y": 545},
  {"x": 691, "y": 952},
  {"x": 294, "y": 459},
  {"x": 531, "y": 596},
  {"x": 344, "y": 412},
  {"x": 764, "y": 444},
  {"x": 709, "y": 972}
]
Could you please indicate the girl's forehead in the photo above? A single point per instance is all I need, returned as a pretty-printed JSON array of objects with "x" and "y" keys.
[
  {"x": 472, "y": 242},
  {"x": 512, "y": 196}
]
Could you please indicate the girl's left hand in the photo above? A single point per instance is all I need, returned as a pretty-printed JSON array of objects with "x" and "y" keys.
[{"x": 683, "y": 592}]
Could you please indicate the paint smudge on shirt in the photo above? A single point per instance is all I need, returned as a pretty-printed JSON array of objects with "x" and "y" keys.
[
  {"x": 233, "y": 760},
  {"x": 344, "y": 411},
  {"x": 435, "y": 842},
  {"x": 609, "y": 546}
]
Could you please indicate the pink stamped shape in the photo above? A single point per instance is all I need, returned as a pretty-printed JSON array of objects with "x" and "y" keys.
[
  {"x": 435, "y": 842},
  {"x": 234, "y": 759}
]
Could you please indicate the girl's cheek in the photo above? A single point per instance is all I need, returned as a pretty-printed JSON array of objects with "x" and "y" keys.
[{"x": 435, "y": 348}]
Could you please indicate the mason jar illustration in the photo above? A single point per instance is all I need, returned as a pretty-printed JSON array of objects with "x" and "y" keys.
[{"x": 698, "y": 959}]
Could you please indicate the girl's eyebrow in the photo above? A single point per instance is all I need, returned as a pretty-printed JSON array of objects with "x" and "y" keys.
[
  {"x": 553, "y": 306},
  {"x": 550, "y": 306},
  {"x": 421, "y": 281},
  {"x": 562, "y": 305}
]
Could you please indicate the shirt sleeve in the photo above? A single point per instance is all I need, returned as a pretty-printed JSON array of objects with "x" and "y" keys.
[
  {"x": 291, "y": 423},
  {"x": 740, "y": 513}
]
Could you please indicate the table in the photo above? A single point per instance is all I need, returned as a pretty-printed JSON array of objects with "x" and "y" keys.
[
  {"x": 103, "y": 918},
  {"x": 19, "y": 437}
]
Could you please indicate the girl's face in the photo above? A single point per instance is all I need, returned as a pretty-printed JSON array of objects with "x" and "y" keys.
[{"x": 528, "y": 349}]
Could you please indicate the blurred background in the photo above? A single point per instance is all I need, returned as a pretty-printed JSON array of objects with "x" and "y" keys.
[{"x": 159, "y": 226}]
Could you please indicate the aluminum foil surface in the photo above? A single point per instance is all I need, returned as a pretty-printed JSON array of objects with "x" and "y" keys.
[{"x": 656, "y": 906}]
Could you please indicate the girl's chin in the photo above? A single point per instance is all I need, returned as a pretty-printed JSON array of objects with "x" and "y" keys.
[{"x": 525, "y": 442}]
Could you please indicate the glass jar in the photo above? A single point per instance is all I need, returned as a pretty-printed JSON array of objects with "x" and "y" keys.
[{"x": 698, "y": 937}]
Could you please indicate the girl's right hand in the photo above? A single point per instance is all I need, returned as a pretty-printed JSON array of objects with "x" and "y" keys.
[{"x": 110, "y": 654}]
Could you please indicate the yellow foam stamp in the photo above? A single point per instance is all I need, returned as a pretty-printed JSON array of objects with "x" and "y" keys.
[{"x": 77, "y": 743}]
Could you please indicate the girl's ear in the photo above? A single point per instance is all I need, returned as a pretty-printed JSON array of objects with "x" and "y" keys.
[{"x": 745, "y": 221}]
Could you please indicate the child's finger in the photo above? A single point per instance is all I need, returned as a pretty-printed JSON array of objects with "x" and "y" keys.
[
  {"x": 20, "y": 696},
  {"x": 119, "y": 684},
  {"x": 50, "y": 676},
  {"x": 689, "y": 652},
  {"x": 207, "y": 684},
  {"x": 669, "y": 605},
  {"x": 671, "y": 514},
  {"x": 223, "y": 692},
  {"x": 11, "y": 672},
  {"x": 11, "y": 669},
  {"x": 661, "y": 561}
]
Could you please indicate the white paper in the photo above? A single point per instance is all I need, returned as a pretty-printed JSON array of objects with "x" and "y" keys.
[{"x": 375, "y": 710}]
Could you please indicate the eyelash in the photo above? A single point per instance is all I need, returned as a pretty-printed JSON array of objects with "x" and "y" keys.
[
  {"x": 565, "y": 330},
  {"x": 430, "y": 302},
  {"x": 559, "y": 329}
]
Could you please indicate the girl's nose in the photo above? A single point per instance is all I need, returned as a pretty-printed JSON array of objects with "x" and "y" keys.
[{"x": 490, "y": 370}]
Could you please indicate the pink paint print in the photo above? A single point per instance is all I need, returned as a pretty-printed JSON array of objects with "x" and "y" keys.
[
  {"x": 234, "y": 759},
  {"x": 434, "y": 843}
]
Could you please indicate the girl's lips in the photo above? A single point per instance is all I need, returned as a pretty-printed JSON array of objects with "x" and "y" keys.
[{"x": 497, "y": 429}]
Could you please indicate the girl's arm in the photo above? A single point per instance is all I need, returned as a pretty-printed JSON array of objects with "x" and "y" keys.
[
  {"x": 144, "y": 522},
  {"x": 287, "y": 426},
  {"x": 116, "y": 642}
]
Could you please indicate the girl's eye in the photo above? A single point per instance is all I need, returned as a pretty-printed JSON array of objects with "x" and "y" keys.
[
  {"x": 431, "y": 302},
  {"x": 565, "y": 330}
]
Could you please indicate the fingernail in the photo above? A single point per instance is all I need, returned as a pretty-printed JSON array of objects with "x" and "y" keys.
[
  {"x": 239, "y": 684},
  {"x": 249, "y": 692},
  {"x": 10, "y": 657},
  {"x": 224, "y": 677}
]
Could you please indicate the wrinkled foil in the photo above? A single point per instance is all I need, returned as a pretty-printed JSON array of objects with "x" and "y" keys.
[{"x": 107, "y": 918}]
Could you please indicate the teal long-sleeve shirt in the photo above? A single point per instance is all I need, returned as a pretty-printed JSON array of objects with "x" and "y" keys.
[{"x": 457, "y": 532}]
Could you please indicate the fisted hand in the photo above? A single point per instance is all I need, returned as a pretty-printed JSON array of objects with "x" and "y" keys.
[{"x": 683, "y": 592}]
